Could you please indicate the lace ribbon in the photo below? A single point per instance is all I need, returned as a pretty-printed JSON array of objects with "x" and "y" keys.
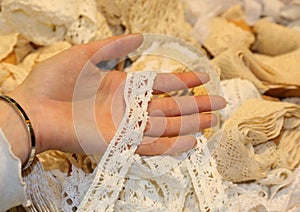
[{"x": 115, "y": 163}]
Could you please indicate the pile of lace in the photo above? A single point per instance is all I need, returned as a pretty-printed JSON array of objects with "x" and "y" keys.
[
  {"x": 251, "y": 163},
  {"x": 193, "y": 181}
]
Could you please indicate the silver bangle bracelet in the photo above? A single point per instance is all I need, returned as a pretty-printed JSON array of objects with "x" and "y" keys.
[{"x": 29, "y": 128}]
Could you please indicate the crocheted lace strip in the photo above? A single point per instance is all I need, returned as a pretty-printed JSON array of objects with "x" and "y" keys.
[
  {"x": 115, "y": 163},
  {"x": 207, "y": 182}
]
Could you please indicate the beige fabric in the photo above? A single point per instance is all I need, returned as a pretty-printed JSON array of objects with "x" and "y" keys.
[
  {"x": 5, "y": 28},
  {"x": 111, "y": 9},
  {"x": 240, "y": 63},
  {"x": 53, "y": 159},
  {"x": 43, "y": 53},
  {"x": 40, "y": 21},
  {"x": 165, "y": 20},
  {"x": 7, "y": 43},
  {"x": 83, "y": 29},
  {"x": 284, "y": 68},
  {"x": 236, "y": 91},
  {"x": 133, "y": 17},
  {"x": 103, "y": 30},
  {"x": 22, "y": 48},
  {"x": 236, "y": 16},
  {"x": 273, "y": 39},
  {"x": 224, "y": 35},
  {"x": 234, "y": 13},
  {"x": 272, "y": 9},
  {"x": 260, "y": 136},
  {"x": 11, "y": 76},
  {"x": 278, "y": 76}
]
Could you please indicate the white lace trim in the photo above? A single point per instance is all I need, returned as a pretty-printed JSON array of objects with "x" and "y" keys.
[
  {"x": 206, "y": 180},
  {"x": 115, "y": 163}
]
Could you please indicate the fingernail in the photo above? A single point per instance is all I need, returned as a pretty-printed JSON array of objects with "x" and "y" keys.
[
  {"x": 217, "y": 102},
  {"x": 214, "y": 119},
  {"x": 204, "y": 77}
]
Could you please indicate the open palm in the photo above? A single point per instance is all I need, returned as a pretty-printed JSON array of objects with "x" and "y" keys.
[{"x": 76, "y": 107}]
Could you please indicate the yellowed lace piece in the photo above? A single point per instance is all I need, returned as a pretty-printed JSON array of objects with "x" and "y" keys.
[{"x": 261, "y": 135}]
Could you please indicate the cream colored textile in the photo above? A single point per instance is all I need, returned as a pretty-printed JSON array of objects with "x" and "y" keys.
[
  {"x": 285, "y": 68},
  {"x": 7, "y": 43},
  {"x": 40, "y": 21},
  {"x": 13, "y": 75},
  {"x": 274, "y": 39},
  {"x": 260, "y": 136},
  {"x": 45, "y": 22},
  {"x": 236, "y": 91},
  {"x": 223, "y": 35},
  {"x": 241, "y": 63},
  {"x": 142, "y": 16}
]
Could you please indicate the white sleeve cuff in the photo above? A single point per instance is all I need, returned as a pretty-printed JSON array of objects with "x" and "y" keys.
[{"x": 12, "y": 186}]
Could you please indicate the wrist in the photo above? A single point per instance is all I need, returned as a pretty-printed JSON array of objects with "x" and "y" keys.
[
  {"x": 30, "y": 108},
  {"x": 15, "y": 131}
]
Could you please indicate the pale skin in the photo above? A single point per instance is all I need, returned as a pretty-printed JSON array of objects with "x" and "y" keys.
[{"x": 46, "y": 96}]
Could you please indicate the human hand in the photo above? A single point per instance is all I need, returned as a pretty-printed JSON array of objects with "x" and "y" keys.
[{"x": 47, "y": 97}]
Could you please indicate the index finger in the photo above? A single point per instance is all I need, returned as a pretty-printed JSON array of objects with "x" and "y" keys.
[
  {"x": 110, "y": 48},
  {"x": 166, "y": 82}
]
